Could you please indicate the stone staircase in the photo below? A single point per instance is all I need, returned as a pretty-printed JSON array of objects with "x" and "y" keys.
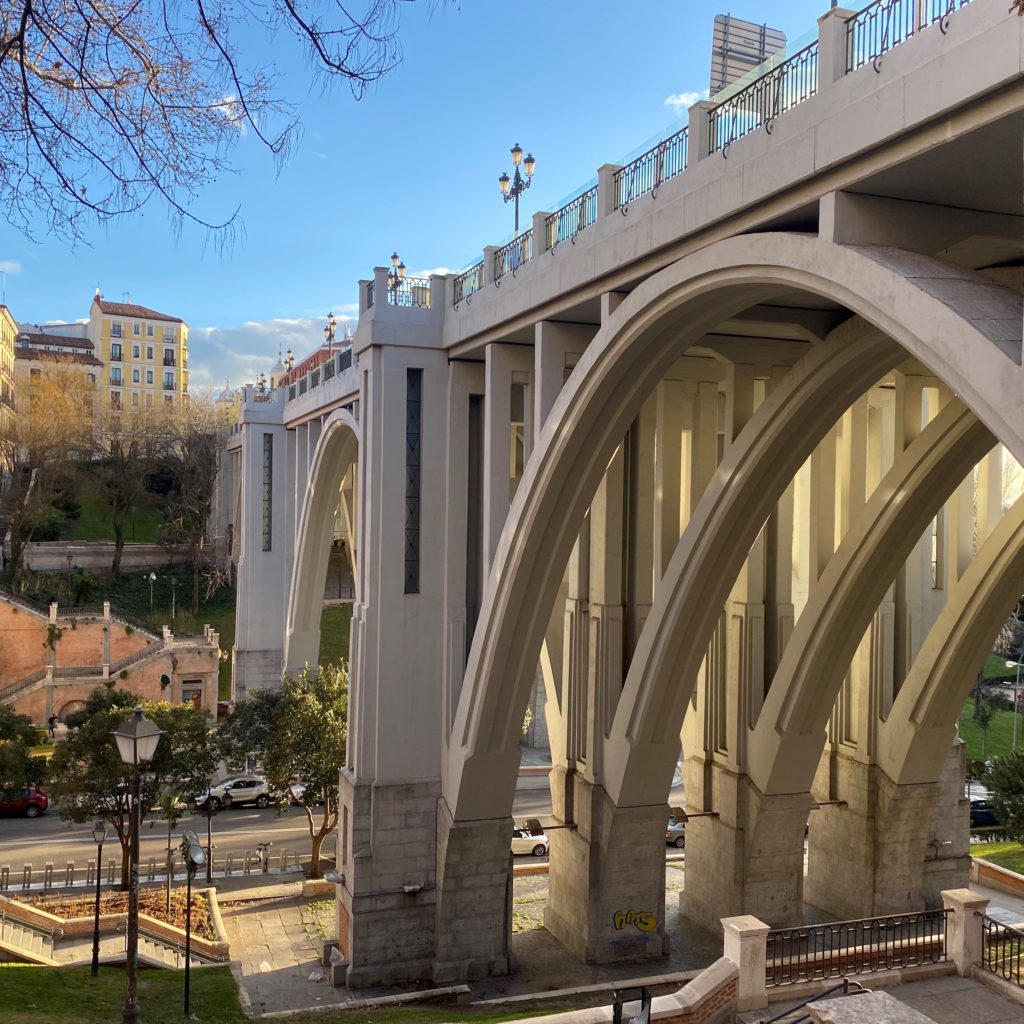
[{"x": 27, "y": 943}]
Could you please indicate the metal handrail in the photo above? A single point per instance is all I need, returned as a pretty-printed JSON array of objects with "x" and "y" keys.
[
  {"x": 24, "y": 602},
  {"x": 649, "y": 170},
  {"x": 782, "y": 87},
  {"x": 136, "y": 656},
  {"x": 75, "y": 671},
  {"x": 409, "y": 291},
  {"x": 885, "y": 24},
  {"x": 839, "y": 948},
  {"x": 1002, "y": 949},
  {"x": 511, "y": 256},
  {"x": 20, "y": 685},
  {"x": 468, "y": 282},
  {"x": 569, "y": 220},
  {"x": 79, "y": 611}
]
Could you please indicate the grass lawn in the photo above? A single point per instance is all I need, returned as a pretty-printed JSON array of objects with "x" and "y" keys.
[
  {"x": 1008, "y": 855},
  {"x": 69, "y": 995},
  {"x": 94, "y": 522},
  {"x": 1000, "y": 733},
  {"x": 334, "y": 626}
]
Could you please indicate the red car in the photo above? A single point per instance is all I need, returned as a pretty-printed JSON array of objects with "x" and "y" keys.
[{"x": 31, "y": 802}]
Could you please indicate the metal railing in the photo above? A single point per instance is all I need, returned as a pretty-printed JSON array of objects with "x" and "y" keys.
[
  {"x": 27, "y": 603},
  {"x": 77, "y": 671},
  {"x": 1002, "y": 949},
  {"x": 345, "y": 360},
  {"x": 21, "y": 685},
  {"x": 571, "y": 219},
  {"x": 887, "y": 23},
  {"x": 855, "y": 947},
  {"x": 649, "y": 170},
  {"x": 131, "y": 659},
  {"x": 799, "y": 1014},
  {"x": 138, "y": 625},
  {"x": 468, "y": 282},
  {"x": 80, "y": 612},
  {"x": 783, "y": 87},
  {"x": 409, "y": 291},
  {"x": 511, "y": 256},
  {"x": 369, "y": 293}
]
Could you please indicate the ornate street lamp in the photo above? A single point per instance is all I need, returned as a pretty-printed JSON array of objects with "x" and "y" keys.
[
  {"x": 396, "y": 275},
  {"x": 99, "y": 833},
  {"x": 289, "y": 361},
  {"x": 513, "y": 188},
  {"x": 329, "y": 331},
  {"x": 137, "y": 740},
  {"x": 194, "y": 857}
]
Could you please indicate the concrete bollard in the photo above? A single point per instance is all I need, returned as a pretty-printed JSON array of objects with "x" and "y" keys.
[
  {"x": 229, "y": 865},
  {"x": 110, "y": 871},
  {"x": 746, "y": 945},
  {"x": 48, "y": 875},
  {"x": 151, "y": 870},
  {"x": 5, "y": 877},
  {"x": 247, "y": 866},
  {"x": 26, "y": 877},
  {"x": 69, "y": 874},
  {"x": 284, "y": 860},
  {"x": 965, "y": 928}
]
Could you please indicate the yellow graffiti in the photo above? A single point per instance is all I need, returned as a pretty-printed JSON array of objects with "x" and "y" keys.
[{"x": 642, "y": 920}]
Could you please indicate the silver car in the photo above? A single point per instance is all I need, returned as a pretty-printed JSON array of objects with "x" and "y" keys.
[
  {"x": 235, "y": 792},
  {"x": 530, "y": 838}
]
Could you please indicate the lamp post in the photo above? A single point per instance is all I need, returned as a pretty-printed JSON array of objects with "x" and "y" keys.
[
  {"x": 329, "y": 331},
  {"x": 193, "y": 856},
  {"x": 68, "y": 557},
  {"x": 1016, "y": 697},
  {"x": 137, "y": 740},
  {"x": 174, "y": 600},
  {"x": 396, "y": 275},
  {"x": 513, "y": 188},
  {"x": 99, "y": 833},
  {"x": 152, "y": 580}
]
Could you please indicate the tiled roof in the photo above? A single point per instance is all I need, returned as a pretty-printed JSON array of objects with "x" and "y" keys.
[
  {"x": 63, "y": 340},
  {"x": 130, "y": 309},
  {"x": 84, "y": 358}
]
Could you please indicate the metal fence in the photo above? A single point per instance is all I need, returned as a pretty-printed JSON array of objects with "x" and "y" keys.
[
  {"x": 511, "y": 256},
  {"x": 409, "y": 291},
  {"x": 369, "y": 293},
  {"x": 775, "y": 92},
  {"x": 469, "y": 281},
  {"x": 855, "y": 947},
  {"x": 1002, "y": 950},
  {"x": 649, "y": 170},
  {"x": 569, "y": 220},
  {"x": 887, "y": 23}
]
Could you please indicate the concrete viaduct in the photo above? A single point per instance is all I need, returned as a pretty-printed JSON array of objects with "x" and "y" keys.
[{"x": 717, "y": 451}]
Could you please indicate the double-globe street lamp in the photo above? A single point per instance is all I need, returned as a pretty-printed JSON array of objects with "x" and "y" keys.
[
  {"x": 396, "y": 275},
  {"x": 99, "y": 833},
  {"x": 330, "y": 329},
  {"x": 137, "y": 740},
  {"x": 512, "y": 188}
]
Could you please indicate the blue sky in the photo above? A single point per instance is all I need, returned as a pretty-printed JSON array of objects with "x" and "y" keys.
[{"x": 413, "y": 166}]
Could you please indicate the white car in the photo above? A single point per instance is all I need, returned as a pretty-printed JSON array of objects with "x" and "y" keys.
[
  {"x": 530, "y": 838},
  {"x": 247, "y": 789}
]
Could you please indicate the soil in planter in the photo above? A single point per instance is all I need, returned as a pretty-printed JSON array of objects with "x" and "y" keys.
[{"x": 152, "y": 903}]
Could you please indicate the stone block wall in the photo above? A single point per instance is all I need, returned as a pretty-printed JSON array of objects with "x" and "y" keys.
[{"x": 23, "y": 637}]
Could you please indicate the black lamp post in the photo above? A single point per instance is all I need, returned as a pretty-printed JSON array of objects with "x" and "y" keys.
[
  {"x": 194, "y": 857},
  {"x": 330, "y": 328},
  {"x": 513, "y": 188},
  {"x": 152, "y": 580},
  {"x": 137, "y": 740},
  {"x": 174, "y": 600},
  {"x": 99, "y": 833},
  {"x": 70, "y": 594},
  {"x": 396, "y": 275}
]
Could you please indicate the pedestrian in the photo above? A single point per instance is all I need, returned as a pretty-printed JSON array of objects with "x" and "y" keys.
[{"x": 52, "y": 720}]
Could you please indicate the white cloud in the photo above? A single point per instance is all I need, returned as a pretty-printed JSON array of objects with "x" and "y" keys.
[
  {"x": 10, "y": 267},
  {"x": 680, "y": 102},
  {"x": 240, "y": 354},
  {"x": 234, "y": 113},
  {"x": 432, "y": 270}
]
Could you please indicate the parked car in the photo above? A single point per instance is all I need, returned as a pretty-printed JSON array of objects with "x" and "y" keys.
[
  {"x": 675, "y": 830},
  {"x": 236, "y": 792},
  {"x": 982, "y": 815},
  {"x": 530, "y": 838},
  {"x": 31, "y": 802}
]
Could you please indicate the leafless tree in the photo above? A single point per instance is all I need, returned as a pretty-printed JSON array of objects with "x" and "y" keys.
[{"x": 107, "y": 104}]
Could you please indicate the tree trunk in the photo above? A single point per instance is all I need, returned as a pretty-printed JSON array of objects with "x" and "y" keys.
[
  {"x": 117, "y": 521},
  {"x": 125, "y": 873},
  {"x": 977, "y": 692}
]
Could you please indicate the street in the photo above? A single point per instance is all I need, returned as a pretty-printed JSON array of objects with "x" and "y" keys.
[{"x": 48, "y": 838}]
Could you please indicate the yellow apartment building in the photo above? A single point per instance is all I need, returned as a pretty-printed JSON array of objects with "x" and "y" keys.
[
  {"x": 8, "y": 332},
  {"x": 144, "y": 354}
]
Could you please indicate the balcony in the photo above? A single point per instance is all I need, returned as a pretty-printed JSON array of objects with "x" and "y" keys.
[
  {"x": 169, "y": 386},
  {"x": 169, "y": 361}
]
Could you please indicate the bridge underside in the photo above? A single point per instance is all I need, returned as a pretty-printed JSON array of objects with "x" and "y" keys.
[{"x": 751, "y": 501}]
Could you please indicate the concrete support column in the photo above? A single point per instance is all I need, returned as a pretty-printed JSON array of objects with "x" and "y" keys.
[
  {"x": 671, "y": 405},
  {"x": 606, "y": 885},
  {"x": 640, "y": 513},
  {"x": 606, "y": 190},
  {"x": 965, "y": 936},
  {"x": 698, "y": 140},
  {"x": 556, "y": 349}
]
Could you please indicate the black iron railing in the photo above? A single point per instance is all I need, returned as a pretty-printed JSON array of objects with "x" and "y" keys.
[
  {"x": 775, "y": 92},
  {"x": 1003, "y": 949},
  {"x": 409, "y": 291},
  {"x": 369, "y": 293},
  {"x": 887, "y": 23},
  {"x": 855, "y": 947},
  {"x": 511, "y": 256},
  {"x": 469, "y": 281},
  {"x": 649, "y": 170},
  {"x": 345, "y": 360},
  {"x": 571, "y": 219}
]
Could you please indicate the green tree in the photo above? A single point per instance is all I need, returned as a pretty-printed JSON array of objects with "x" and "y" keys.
[
  {"x": 88, "y": 779},
  {"x": 299, "y": 732},
  {"x": 983, "y": 713},
  {"x": 1005, "y": 783},
  {"x": 18, "y": 768}
]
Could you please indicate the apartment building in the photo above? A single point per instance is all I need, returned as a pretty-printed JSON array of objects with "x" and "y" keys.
[
  {"x": 8, "y": 332},
  {"x": 144, "y": 354}
]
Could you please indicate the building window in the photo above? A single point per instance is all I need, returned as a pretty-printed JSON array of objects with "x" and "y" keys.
[
  {"x": 115, "y": 375},
  {"x": 136, "y": 329},
  {"x": 115, "y": 351},
  {"x": 149, "y": 376},
  {"x": 90, "y": 378},
  {"x": 268, "y": 490},
  {"x": 115, "y": 330},
  {"x": 135, "y": 398},
  {"x": 115, "y": 399},
  {"x": 168, "y": 381},
  {"x": 149, "y": 351},
  {"x": 135, "y": 375},
  {"x": 168, "y": 334},
  {"x": 168, "y": 357},
  {"x": 149, "y": 400},
  {"x": 135, "y": 351},
  {"x": 168, "y": 401},
  {"x": 149, "y": 334},
  {"x": 413, "y": 405},
  {"x": 35, "y": 374}
]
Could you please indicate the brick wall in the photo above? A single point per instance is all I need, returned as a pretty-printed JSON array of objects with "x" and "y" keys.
[{"x": 23, "y": 647}]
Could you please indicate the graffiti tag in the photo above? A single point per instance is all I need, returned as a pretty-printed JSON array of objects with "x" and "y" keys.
[{"x": 641, "y": 920}]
